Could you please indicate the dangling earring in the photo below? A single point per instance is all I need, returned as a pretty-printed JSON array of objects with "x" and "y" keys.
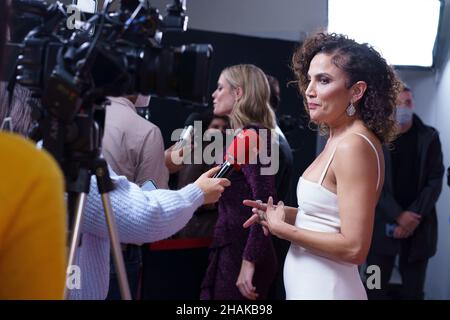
[{"x": 351, "y": 110}]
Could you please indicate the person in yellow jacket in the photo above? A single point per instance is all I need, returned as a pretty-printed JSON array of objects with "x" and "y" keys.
[
  {"x": 32, "y": 222},
  {"x": 32, "y": 215}
]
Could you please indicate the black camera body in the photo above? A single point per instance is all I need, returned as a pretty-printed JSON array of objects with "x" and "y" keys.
[{"x": 115, "y": 54}]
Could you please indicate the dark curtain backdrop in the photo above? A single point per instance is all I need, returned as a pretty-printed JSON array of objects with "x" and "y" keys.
[{"x": 272, "y": 56}]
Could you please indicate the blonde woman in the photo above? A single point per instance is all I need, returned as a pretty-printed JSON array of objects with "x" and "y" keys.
[{"x": 242, "y": 262}]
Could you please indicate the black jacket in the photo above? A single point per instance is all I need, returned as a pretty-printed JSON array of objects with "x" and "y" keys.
[
  {"x": 284, "y": 175},
  {"x": 431, "y": 171}
]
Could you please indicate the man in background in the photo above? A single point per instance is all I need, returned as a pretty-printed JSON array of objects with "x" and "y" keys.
[
  {"x": 405, "y": 220},
  {"x": 133, "y": 147}
]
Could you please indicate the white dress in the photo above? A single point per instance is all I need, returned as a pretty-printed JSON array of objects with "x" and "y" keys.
[{"x": 307, "y": 275}]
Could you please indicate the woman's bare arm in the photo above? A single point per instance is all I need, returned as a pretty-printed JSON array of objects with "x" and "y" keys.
[{"x": 355, "y": 169}]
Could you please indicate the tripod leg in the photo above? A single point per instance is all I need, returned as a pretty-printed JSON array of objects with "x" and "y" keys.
[
  {"x": 116, "y": 250},
  {"x": 81, "y": 202}
]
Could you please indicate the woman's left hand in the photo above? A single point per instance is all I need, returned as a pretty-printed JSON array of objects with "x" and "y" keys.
[
  {"x": 245, "y": 280},
  {"x": 270, "y": 217},
  {"x": 259, "y": 210},
  {"x": 273, "y": 217}
]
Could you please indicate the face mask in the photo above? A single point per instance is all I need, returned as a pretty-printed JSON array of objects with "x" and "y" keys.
[
  {"x": 142, "y": 101},
  {"x": 403, "y": 115}
]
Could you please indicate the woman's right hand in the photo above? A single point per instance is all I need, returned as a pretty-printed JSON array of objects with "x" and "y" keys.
[
  {"x": 212, "y": 187},
  {"x": 258, "y": 208}
]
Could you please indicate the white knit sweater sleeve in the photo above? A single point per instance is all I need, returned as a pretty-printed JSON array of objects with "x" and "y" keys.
[{"x": 141, "y": 216}]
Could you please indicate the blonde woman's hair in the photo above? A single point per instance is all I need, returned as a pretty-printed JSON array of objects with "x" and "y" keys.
[{"x": 253, "y": 107}]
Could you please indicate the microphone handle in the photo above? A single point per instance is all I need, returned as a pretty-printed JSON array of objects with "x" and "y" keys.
[
  {"x": 184, "y": 137},
  {"x": 187, "y": 132},
  {"x": 224, "y": 171}
]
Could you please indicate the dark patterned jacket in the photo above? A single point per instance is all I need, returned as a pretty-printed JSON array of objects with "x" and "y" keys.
[{"x": 232, "y": 242}]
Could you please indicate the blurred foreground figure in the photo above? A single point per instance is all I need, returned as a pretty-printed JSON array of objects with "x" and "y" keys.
[{"x": 32, "y": 216}]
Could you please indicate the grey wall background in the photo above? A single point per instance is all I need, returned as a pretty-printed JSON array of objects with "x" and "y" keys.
[{"x": 292, "y": 20}]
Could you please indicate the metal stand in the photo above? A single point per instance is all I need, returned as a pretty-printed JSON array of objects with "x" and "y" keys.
[{"x": 80, "y": 187}]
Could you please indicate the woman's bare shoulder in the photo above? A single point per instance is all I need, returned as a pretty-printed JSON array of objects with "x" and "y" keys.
[{"x": 354, "y": 149}]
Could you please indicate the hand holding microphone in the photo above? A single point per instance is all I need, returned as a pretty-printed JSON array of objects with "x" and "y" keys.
[
  {"x": 243, "y": 150},
  {"x": 212, "y": 187}
]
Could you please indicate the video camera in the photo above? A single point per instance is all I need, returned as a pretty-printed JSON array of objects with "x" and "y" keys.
[{"x": 72, "y": 71}]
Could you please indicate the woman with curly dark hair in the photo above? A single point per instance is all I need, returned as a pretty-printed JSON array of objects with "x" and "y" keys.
[{"x": 349, "y": 92}]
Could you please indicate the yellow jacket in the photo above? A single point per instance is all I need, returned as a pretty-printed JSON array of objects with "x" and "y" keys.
[{"x": 32, "y": 222}]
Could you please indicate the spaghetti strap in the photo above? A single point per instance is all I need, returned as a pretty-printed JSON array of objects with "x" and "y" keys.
[
  {"x": 376, "y": 153},
  {"x": 322, "y": 176},
  {"x": 324, "y": 172}
]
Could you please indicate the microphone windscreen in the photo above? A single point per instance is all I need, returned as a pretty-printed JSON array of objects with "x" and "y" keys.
[{"x": 244, "y": 149}]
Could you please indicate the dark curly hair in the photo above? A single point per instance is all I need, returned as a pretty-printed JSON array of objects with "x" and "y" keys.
[{"x": 360, "y": 62}]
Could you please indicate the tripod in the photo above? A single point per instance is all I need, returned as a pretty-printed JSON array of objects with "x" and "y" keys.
[{"x": 80, "y": 188}]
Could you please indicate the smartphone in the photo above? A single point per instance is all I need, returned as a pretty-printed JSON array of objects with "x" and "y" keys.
[
  {"x": 390, "y": 228},
  {"x": 149, "y": 186}
]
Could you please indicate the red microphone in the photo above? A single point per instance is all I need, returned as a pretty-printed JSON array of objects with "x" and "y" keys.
[{"x": 243, "y": 150}]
